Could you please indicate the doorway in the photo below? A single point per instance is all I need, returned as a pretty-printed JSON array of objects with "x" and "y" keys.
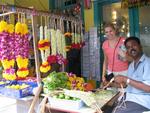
[
  {"x": 118, "y": 16},
  {"x": 110, "y": 11},
  {"x": 144, "y": 27}
]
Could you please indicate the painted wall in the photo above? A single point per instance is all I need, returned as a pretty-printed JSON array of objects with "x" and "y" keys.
[
  {"x": 7, "y": 2},
  {"x": 89, "y": 18}
]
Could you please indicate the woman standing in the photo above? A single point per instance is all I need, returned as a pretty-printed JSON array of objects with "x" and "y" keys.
[{"x": 114, "y": 53}]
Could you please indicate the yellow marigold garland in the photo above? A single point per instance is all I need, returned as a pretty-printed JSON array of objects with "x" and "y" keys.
[
  {"x": 45, "y": 67},
  {"x": 22, "y": 61},
  {"x": 22, "y": 65},
  {"x": 3, "y": 26},
  {"x": 6, "y": 60}
]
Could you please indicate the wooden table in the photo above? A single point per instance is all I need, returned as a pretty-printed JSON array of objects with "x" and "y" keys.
[
  {"x": 105, "y": 107},
  {"x": 55, "y": 109}
]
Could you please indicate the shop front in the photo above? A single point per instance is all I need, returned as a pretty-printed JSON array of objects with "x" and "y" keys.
[{"x": 131, "y": 18}]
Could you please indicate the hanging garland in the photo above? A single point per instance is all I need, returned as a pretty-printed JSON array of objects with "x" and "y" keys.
[
  {"x": 53, "y": 42},
  {"x": 22, "y": 49},
  {"x": 77, "y": 42},
  {"x": 64, "y": 53},
  {"x": 58, "y": 44},
  {"x": 61, "y": 53},
  {"x": 6, "y": 50},
  {"x": 68, "y": 38},
  {"x": 44, "y": 47}
]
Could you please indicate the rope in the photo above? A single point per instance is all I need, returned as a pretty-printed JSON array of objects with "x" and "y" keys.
[
  {"x": 121, "y": 100},
  {"x": 42, "y": 105}
]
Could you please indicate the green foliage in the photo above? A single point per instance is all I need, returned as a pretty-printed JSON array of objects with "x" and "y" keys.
[{"x": 55, "y": 80}]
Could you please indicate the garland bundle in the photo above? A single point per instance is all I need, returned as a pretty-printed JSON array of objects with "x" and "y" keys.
[
  {"x": 6, "y": 50},
  {"x": 58, "y": 45},
  {"x": 22, "y": 49}
]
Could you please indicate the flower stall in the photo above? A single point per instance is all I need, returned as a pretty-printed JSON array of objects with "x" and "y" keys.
[{"x": 53, "y": 36}]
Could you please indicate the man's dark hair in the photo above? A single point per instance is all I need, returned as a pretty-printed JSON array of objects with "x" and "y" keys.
[{"x": 132, "y": 38}]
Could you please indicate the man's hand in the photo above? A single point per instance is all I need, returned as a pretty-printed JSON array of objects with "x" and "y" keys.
[
  {"x": 120, "y": 79},
  {"x": 103, "y": 79}
]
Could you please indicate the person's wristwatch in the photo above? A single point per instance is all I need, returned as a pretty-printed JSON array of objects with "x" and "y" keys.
[{"x": 128, "y": 81}]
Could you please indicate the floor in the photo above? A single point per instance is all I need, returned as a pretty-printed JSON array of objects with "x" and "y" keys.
[{"x": 7, "y": 105}]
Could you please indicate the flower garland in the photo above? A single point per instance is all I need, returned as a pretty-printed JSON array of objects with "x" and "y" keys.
[
  {"x": 64, "y": 53},
  {"x": 58, "y": 45},
  {"x": 22, "y": 49},
  {"x": 6, "y": 50},
  {"x": 53, "y": 42},
  {"x": 68, "y": 38},
  {"x": 44, "y": 47},
  {"x": 59, "y": 41},
  {"x": 77, "y": 38},
  {"x": 58, "y": 54},
  {"x": 52, "y": 59}
]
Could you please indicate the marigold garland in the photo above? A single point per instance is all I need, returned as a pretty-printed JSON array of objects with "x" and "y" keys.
[
  {"x": 45, "y": 67},
  {"x": 6, "y": 53},
  {"x": 68, "y": 41},
  {"x": 3, "y": 26},
  {"x": 68, "y": 35},
  {"x": 43, "y": 44},
  {"x": 22, "y": 49}
]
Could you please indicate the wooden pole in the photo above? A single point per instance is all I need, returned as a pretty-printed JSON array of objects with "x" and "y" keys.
[
  {"x": 31, "y": 109},
  {"x": 37, "y": 64},
  {"x": 36, "y": 52},
  {"x": 4, "y": 14}
]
